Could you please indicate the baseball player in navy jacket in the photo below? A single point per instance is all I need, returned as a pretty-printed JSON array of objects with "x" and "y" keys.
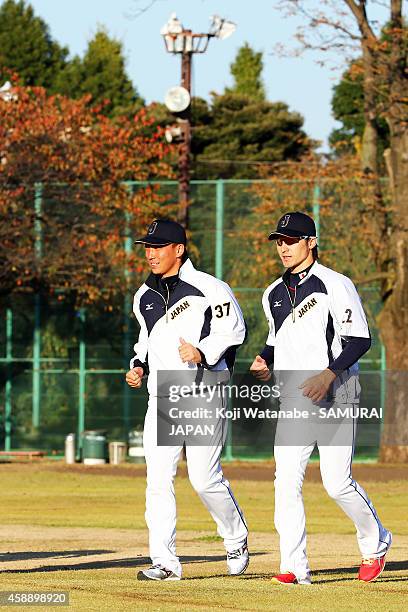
[
  {"x": 188, "y": 320},
  {"x": 316, "y": 324}
]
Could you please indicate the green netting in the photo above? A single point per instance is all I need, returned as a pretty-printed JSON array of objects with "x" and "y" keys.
[{"x": 63, "y": 371}]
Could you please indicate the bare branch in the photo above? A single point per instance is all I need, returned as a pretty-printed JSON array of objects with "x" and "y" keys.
[
  {"x": 330, "y": 26},
  {"x": 138, "y": 11},
  {"x": 359, "y": 12},
  {"x": 341, "y": 28},
  {"x": 381, "y": 3}
]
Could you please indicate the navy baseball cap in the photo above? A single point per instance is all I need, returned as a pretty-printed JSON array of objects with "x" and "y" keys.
[
  {"x": 294, "y": 225},
  {"x": 162, "y": 232}
]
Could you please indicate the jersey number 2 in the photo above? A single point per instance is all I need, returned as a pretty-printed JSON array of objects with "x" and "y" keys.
[
  {"x": 220, "y": 309},
  {"x": 348, "y": 316}
]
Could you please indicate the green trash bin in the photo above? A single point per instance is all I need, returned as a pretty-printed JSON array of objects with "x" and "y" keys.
[{"x": 94, "y": 447}]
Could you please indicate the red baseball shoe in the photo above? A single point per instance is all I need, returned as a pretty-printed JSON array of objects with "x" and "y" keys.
[
  {"x": 289, "y": 578},
  {"x": 370, "y": 569},
  {"x": 285, "y": 578}
]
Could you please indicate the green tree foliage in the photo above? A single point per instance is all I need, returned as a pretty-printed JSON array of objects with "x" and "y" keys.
[
  {"x": 233, "y": 135},
  {"x": 239, "y": 130},
  {"x": 26, "y": 46},
  {"x": 348, "y": 104},
  {"x": 348, "y": 108},
  {"x": 237, "y": 133},
  {"x": 102, "y": 74},
  {"x": 247, "y": 72}
]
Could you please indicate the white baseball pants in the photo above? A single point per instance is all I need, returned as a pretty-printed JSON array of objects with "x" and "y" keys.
[
  {"x": 206, "y": 476},
  {"x": 335, "y": 468}
]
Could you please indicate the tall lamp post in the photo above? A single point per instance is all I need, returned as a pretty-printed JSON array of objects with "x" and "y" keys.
[{"x": 179, "y": 40}]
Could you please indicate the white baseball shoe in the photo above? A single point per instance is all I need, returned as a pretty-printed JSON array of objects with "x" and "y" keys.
[
  {"x": 157, "y": 572},
  {"x": 238, "y": 561}
]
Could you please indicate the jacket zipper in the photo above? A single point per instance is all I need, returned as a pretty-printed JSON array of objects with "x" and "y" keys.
[
  {"x": 166, "y": 303},
  {"x": 292, "y": 302}
]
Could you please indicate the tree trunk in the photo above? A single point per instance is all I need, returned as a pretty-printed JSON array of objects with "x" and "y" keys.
[
  {"x": 373, "y": 214},
  {"x": 393, "y": 320},
  {"x": 369, "y": 148}
]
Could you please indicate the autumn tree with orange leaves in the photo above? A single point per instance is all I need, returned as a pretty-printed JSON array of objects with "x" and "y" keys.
[{"x": 65, "y": 206}]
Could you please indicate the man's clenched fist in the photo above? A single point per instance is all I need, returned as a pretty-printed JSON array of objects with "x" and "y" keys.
[
  {"x": 134, "y": 377},
  {"x": 316, "y": 387},
  {"x": 260, "y": 369},
  {"x": 188, "y": 352}
]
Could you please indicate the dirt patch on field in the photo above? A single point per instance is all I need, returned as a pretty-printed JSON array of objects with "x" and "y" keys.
[
  {"x": 237, "y": 470},
  {"x": 32, "y": 549},
  {"x": 28, "y": 550}
]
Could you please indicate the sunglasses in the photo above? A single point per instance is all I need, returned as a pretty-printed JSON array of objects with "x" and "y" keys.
[{"x": 290, "y": 240}]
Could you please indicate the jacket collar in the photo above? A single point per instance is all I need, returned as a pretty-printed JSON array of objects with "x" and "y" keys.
[
  {"x": 186, "y": 268},
  {"x": 286, "y": 275},
  {"x": 154, "y": 281}
]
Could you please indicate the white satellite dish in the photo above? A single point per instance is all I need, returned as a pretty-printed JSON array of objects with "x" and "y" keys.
[{"x": 177, "y": 99}]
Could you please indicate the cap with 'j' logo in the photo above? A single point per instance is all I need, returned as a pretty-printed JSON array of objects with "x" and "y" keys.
[
  {"x": 294, "y": 225},
  {"x": 162, "y": 232}
]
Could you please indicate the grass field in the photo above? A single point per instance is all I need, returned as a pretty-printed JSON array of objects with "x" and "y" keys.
[{"x": 82, "y": 530}]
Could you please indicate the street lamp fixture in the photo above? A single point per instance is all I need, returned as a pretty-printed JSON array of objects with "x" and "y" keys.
[
  {"x": 173, "y": 133},
  {"x": 6, "y": 92},
  {"x": 179, "y": 40},
  {"x": 221, "y": 28}
]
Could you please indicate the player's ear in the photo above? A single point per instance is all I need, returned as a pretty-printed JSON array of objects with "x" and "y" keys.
[
  {"x": 312, "y": 242},
  {"x": 180, "y": 248}
]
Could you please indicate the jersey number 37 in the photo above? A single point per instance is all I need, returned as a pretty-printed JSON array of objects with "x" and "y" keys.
[{"x": 222, "y": 309}]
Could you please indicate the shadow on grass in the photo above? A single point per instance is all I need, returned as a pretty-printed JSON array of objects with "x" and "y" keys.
[
  {"x": 245, "y": 576},
  {"x": 23, "y": 556},
  {"x": 108, "y": 564}
]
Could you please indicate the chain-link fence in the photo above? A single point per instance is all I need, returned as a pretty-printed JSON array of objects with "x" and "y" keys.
[{"x": 63, "y": 370}]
